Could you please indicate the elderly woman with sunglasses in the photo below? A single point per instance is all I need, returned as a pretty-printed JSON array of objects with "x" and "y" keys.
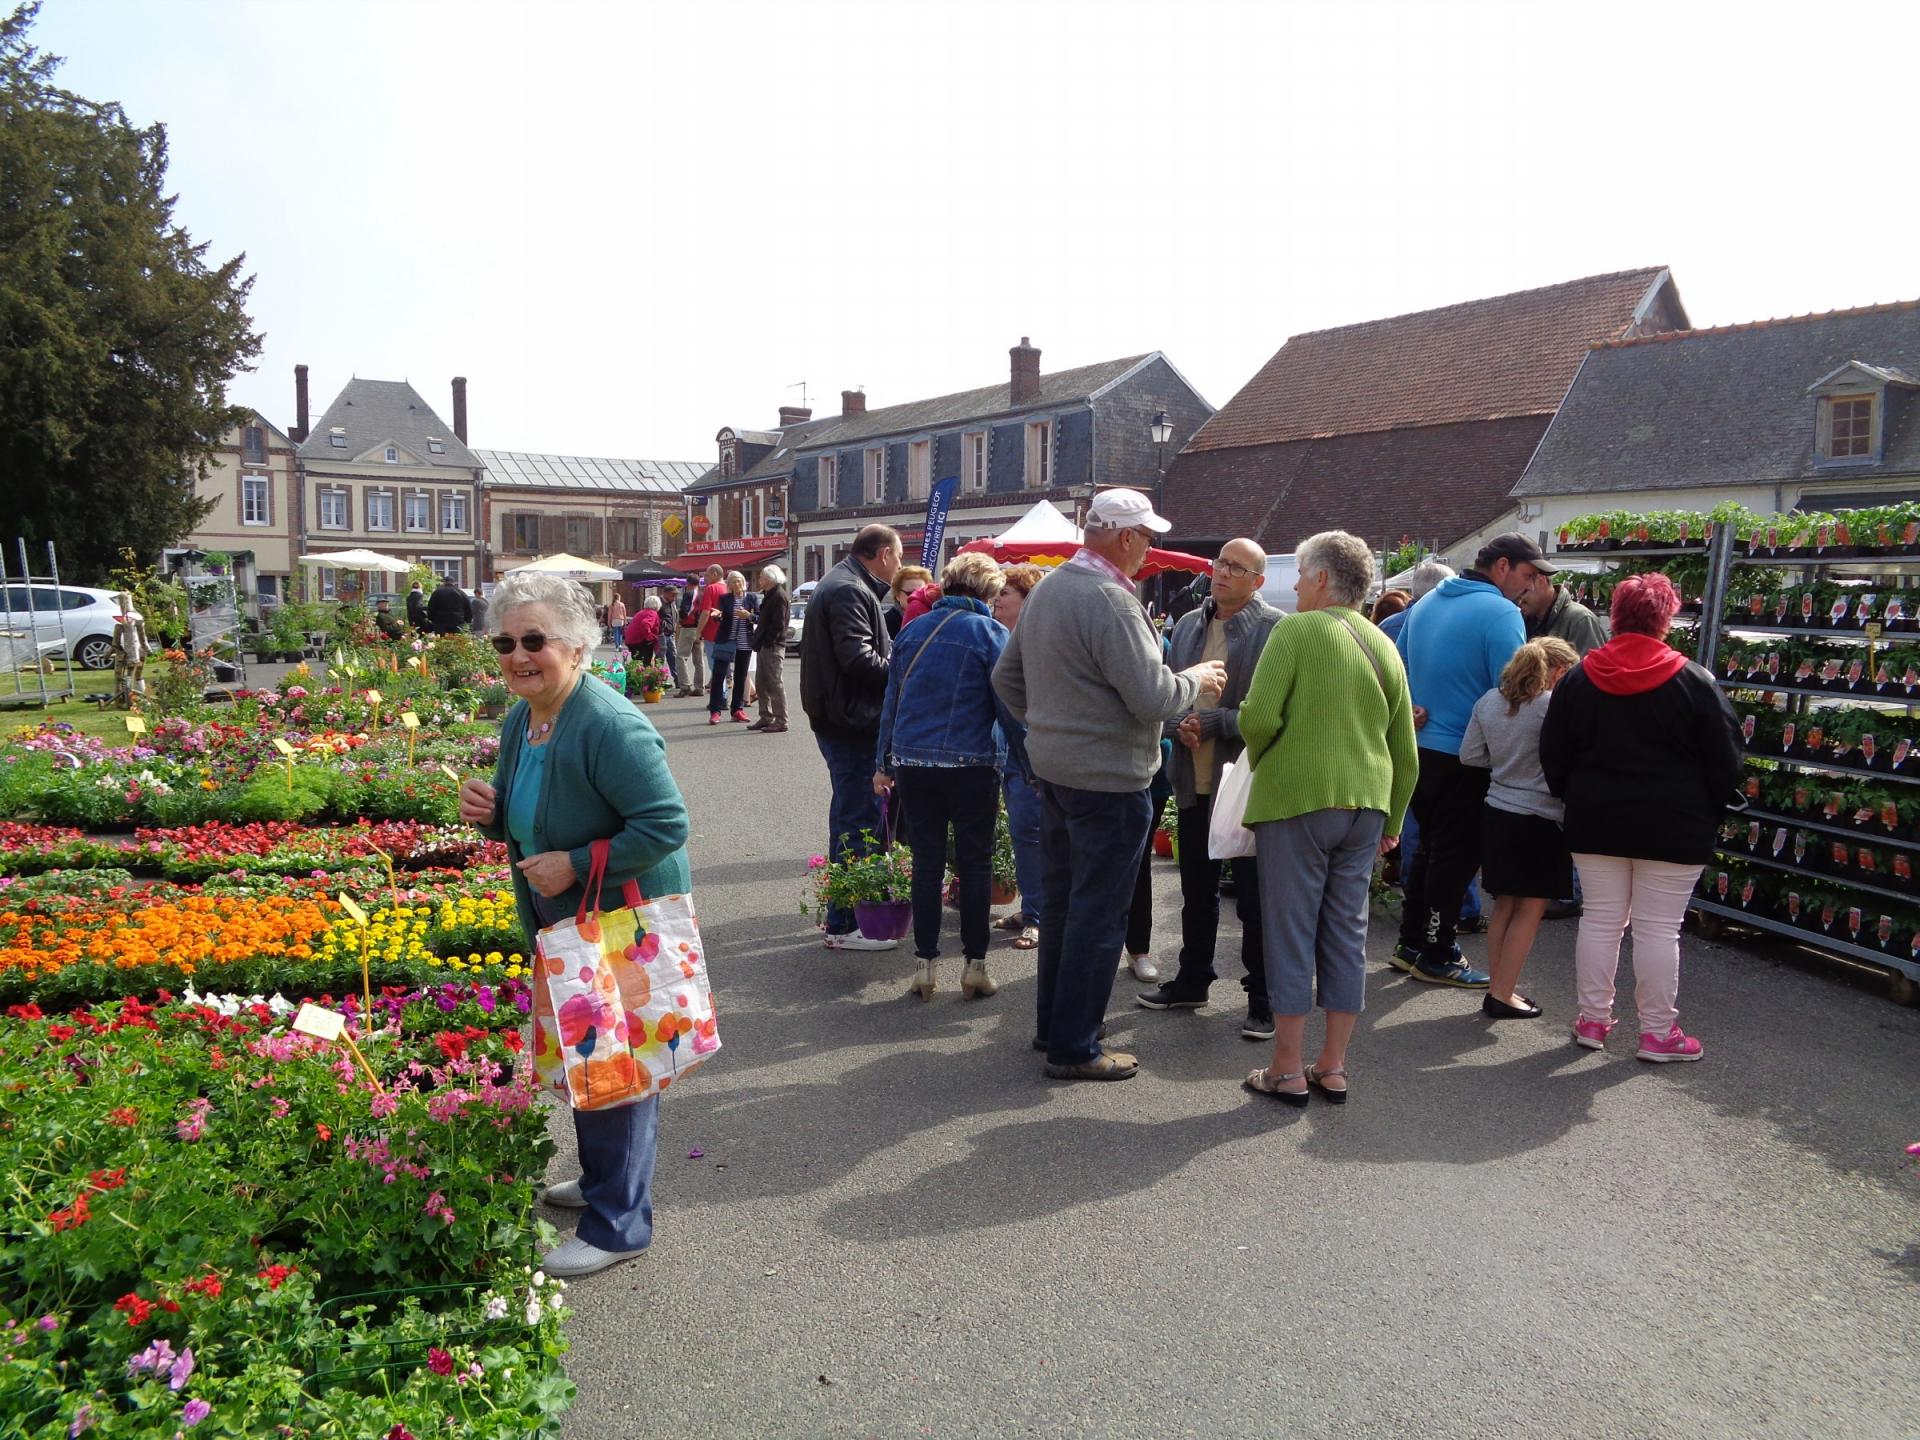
[{"x": 578, "y": 764}]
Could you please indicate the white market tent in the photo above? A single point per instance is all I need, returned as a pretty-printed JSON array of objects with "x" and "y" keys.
[
  {"x": 570, "y": 566},
  {"x": 357, "y": 560},
  {"x": 1044, "y": 524}
]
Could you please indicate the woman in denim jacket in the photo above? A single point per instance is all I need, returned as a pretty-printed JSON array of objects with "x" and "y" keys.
[{"x": 939, "y": 745}]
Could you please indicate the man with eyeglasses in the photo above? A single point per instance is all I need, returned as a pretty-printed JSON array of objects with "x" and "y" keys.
[
  {"x": 1455, "y": 644},
  {"x": 1083, "y": 673},
  {"x": 1231, "y": 626}
]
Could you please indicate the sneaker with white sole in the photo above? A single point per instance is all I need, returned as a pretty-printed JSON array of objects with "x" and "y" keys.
[
  {"x": 575, "y": 1257},
  {"x": 854, "y": 940},
  {"x": 1674, "y": 1045},
  {"x": 1591, "y": 1033},
  {"x": 566, "y": 1195},
  {"x": 1144, "y": 970}
]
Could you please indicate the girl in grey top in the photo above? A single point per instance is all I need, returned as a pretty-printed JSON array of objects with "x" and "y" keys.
[{"x": 1524, "y": 856}]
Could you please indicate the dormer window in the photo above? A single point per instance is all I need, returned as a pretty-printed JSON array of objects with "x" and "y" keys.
[
  {"x": 393, "y": 455},
  {"x": 436, "y": 447},
  {"x": 337, "y": 439},
  {"x": 1850, "y": 428}
]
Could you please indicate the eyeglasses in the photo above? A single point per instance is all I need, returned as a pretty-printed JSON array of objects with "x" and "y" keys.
[
  {"x": 1234, "y": 570},
  {"x": 533, "y": 642}
]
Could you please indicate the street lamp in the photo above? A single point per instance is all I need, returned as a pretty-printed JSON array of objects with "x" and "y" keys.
[{"x": 1162, "y": 431}]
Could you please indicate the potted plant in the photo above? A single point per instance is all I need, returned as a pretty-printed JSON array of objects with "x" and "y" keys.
[
  {"x": 1006, "y": 883},
  {"x": 877, "y": 887},
  {"x": 652, "y": 679},
  {"x": 1166, "y": 835}
]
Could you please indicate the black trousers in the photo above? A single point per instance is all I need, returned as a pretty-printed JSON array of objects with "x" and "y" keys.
[
  {"x": 967, "y": 798},
  {"x": 1140, "y": 912},
  {"x": 1447, "y": 801},
  {"x": 1200, "y": 909},
  {"x": 742, "y": 657}
]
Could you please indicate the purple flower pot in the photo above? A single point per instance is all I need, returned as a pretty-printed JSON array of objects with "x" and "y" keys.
[{"x": 883, "y": 919}]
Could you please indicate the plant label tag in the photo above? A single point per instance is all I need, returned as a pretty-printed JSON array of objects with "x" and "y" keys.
[
  {"x": 1806, "y": 607},
  {"x": 1804, "y": 673},
  {"x": 136, "y": 725},
  {"x": 1779, "y": 841},
  {"x": 1900, "y": 753},
  {"x": 347, "y": 904},
  {"x": 1780, "y": 608},
  {"x": 1830, "y": 672},
  {"x": 1838, "y": 854},
  {"x": 1823, "y": 537},
  {"x": 1746, "y": 729},
  {"x": 283, "y": 747},
  {"x": 1890, "y": 816},
  {"x": 1853, "y": 921},
  {"x": 1856, "y": 671},
  {"x": 1773, "y": 664},
  {"x": 1866, "y": 862},
  {"x": 1863, "y": 612},
  {"x": 1786, "y": 739},
  {"x": 1867, "y": 746},
  {"x": 1721, "y": 883},
  {"x": 1902, "y": 869},
  {"x": 1684, "y": 531},
  {"x": 1895, "y": 610},
  {"x": 1793, "y": 906},
  {"x": 1799, "y": 847},
  {"x": 1838, "y": 613},
  {"x": 319, "y": 1022},
  {"x": 374, "y": 697},
  {"x": 1757, "y": 605},
  {"x": 409, "y": 719},
  {"x": 448, "y": 771},
  {"x": 1746, "y": 894},
  {"x": 1883, "y": 932},
  {"x": 1753, "y": 835}
]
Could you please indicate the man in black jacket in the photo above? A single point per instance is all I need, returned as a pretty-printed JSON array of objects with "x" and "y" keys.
[
  {"x": 843, "y": 682},
  {"x": 770, "y": 650},
  {"x": 417, "y": 608},
  {"x": 448, "y": 608}
]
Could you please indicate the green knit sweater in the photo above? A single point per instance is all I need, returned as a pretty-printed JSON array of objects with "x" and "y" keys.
[{"x": 1328, "y": 731}]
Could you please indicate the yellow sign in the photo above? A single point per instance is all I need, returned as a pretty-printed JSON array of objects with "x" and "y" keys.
[
  {"x": 409, "y": 719},
  {"x": 450, "y": 773},
  {"x": 673, "y": 525},
  {"x": 374, "y": 696},
  {"x": 136, "y": 725},
  {"x": 347, "y": 904},
  {"x": 321, "y": 1023},
  {"x": 283, "y": 747}
]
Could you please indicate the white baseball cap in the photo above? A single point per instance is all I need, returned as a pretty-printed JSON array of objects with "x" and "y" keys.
[{"x": 1122, "y": 509}]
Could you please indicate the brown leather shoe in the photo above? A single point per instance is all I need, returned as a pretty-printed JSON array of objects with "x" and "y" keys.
[{"x": 1107, "y": 1065}]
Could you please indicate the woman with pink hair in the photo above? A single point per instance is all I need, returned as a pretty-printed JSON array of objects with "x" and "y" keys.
[{"x": 1645, "y": 751}]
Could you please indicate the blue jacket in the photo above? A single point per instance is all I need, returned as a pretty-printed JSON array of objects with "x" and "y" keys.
[
  {"x": 1455, "y": 643},
  {"x": 947, "y": 715}
]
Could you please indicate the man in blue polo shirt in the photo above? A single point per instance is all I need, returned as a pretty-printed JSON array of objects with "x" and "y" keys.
[{"x": 1455, "y": 643}]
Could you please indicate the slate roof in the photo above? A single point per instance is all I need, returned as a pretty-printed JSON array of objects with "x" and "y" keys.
[
  {"x": 1727, "y": 406},
  {"x": 372, "y": 412},
  {"x": 586, "y": 472},
  {"x": 1435, "y": 484},
  {"x": 778, "y": 465},
  {"x": 1062, "y": 387},
  {"x": 1481, "y": 360}
]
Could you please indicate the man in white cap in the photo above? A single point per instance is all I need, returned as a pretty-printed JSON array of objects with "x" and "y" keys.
[{"x": 1083, "y": 672}]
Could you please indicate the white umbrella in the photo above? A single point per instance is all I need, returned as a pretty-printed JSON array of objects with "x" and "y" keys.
[
  {"x": 571, "y": 566},
  {"x": 357, "y": 560}
]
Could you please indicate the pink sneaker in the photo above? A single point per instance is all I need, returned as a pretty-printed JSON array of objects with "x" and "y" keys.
[
  {"x": 1674, "y": 1045},
  {"x": 1591, "y": 1033}
]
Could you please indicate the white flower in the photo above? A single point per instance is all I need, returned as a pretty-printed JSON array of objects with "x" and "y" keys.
[
  {"x": 533, "y": 1310},
  {"x": 496, "y": 1307},
  {"x": 539, "y": 1278}
]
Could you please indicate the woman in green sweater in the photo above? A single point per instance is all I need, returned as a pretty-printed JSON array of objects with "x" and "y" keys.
[
  {"x": 1329, "y": 731},
  {"x": 578, "y": 763}
]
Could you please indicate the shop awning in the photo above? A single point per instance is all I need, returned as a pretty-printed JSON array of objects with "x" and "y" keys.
[{"x": 726, "y": 560}]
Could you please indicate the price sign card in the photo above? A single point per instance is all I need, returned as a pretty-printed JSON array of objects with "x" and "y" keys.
[
  {"x": 136, "y": 725},
  {"x": 284, "y": 748},
  {"x": 346, "y": 904},
  {"x": 319, "y": 1022},
  {"x": 409, "y": 719}
]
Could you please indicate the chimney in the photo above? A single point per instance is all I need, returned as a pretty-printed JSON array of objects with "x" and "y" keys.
[
  {"x": 853, "y": 402},
  {"x": 299, "y": 404},
  {"x": 460, "y": 407},
  {"x": 1026, "y": 373},
  {"x": 792, "y": 415}
]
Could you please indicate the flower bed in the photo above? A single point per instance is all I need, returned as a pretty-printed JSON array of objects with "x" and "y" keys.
[{"x": 213, "y": 1219}]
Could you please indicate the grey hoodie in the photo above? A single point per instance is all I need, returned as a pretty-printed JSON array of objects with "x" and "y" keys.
[{"x": 1509, "y": 745}]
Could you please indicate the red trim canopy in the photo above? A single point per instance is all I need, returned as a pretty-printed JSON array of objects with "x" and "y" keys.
[
  {"x": 1056, "y": 552},
  {"x": 731, "y": 560}
]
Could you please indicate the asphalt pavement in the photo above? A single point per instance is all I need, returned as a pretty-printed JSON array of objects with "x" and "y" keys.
[{"x": 898, "y": 1227}]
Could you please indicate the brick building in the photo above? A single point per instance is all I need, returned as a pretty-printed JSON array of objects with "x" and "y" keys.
[
  {"x": 254, "y": 483},
  {"x": 1413, "y": 426},
  {"x": 606, "y": 510}
]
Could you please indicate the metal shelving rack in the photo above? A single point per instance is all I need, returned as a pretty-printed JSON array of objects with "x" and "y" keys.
[{"x": 1723, "y": 555}]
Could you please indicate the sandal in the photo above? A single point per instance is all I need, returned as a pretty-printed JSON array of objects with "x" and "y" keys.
[
  {"x": 1028, "y": 937},
  {"x": 1265, "y": 1082},
  {"x": 1015, "y": 921},
  {"x": 1317, "y": 1078}
]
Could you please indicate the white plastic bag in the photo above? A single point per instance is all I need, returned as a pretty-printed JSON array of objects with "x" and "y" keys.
[{"x": 1228, "y": 837}]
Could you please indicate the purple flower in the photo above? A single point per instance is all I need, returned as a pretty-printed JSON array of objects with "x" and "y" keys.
[
  {"x": 82, "y": 1421},
  {"x": 49, "y": 1323},
  {"x": 194, "y": 1411},
  {"x": 156, "y": 1357},
  {"x": 182, "y": 1370}
]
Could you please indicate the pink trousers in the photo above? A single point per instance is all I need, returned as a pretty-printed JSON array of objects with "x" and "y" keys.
[{"x": 1652, "y": 895}]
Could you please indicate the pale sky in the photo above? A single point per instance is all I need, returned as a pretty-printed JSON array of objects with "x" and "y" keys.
[{"x": 631, "y": 223}]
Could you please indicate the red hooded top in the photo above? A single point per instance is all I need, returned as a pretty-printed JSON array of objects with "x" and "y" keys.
[{"x": 1632, "y": 664}]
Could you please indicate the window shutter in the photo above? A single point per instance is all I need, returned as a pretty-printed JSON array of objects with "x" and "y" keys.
[
  {"x": 596, "y": 536},
  {"x": 553, "y": 534}
]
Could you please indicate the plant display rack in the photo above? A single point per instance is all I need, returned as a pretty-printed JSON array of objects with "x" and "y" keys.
[{"x": 1815, "y": 638}]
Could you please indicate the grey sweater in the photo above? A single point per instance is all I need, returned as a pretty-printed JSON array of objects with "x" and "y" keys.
[
  {"x": 1083, "y": 673},
  {"x": 1509, "y": 745},
  {"x": 1246, "y": 638}
]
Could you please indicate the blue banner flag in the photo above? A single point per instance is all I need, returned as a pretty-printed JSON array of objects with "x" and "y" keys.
[{"x": 938, "y": 503}]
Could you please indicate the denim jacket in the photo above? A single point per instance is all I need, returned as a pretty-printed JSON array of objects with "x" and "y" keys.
[{"x": 947, "y": 716}]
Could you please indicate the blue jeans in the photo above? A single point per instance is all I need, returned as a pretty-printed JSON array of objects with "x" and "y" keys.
[
  {"x": 1410, "y": 846},
  {"x": 1093, "y": 841},
  {"x": 617, "y": 1147},
  {"x": 670, "y": 655},
  {"x": 854, "y": 812},
  {"x": 1023, "y": 823}
]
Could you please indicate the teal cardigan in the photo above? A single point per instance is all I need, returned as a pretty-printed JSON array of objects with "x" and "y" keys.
[{"x": 606, "y": 779}]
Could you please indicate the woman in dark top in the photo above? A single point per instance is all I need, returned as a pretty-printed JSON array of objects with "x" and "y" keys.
[
  {"x": 720, "y": 662},
  {"x": 1644, "y": 749}
]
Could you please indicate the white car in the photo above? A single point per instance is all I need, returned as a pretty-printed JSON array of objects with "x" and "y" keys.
[{"x": 85, "y": 618}]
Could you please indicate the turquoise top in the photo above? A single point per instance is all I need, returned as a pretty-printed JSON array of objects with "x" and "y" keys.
[{"x": 524, "y": 803}]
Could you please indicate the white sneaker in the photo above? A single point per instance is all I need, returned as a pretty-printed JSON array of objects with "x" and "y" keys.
[
  {"x": 1143, "y": 968},
  {"x": 854, "y": 940},
  {"x": 566, "y": 1195},
  {"x": 576, "y": 1257}
]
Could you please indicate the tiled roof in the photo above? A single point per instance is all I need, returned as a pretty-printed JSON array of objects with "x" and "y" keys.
[
  {"x": 1436, "y": 484},
  {"x": 1727, "y": 406},
  {"x": 1060, "y": 388},
  {"x": 372, "y": 412},
  {"x": 777, "y": 465},
  {"x": 586, "y": 472},
  {"x": 1482, "y": 360}
]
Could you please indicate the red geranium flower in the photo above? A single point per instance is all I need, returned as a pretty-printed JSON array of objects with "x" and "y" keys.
[
  {"x": 134, "y": 1308},
  {"x": 108, "y": 1179},
  {"x": 207, "y": 1285},
  {"x": 275, "y": 1275},
  {"x": 439, "y": 1361},
  {"x": 71, "y": 1217},
  {"x": 125, "y": 1115}
]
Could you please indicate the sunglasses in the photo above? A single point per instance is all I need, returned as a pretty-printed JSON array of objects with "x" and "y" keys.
[{"x": 533, "y": 643}]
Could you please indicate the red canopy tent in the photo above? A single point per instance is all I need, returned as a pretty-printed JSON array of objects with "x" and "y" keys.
[{"x": 1046, "y": 537}]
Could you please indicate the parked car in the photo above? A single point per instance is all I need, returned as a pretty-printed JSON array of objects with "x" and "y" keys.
[
  {"x": 85, "y": 617},
  {"x": 796, "y": 616}
]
